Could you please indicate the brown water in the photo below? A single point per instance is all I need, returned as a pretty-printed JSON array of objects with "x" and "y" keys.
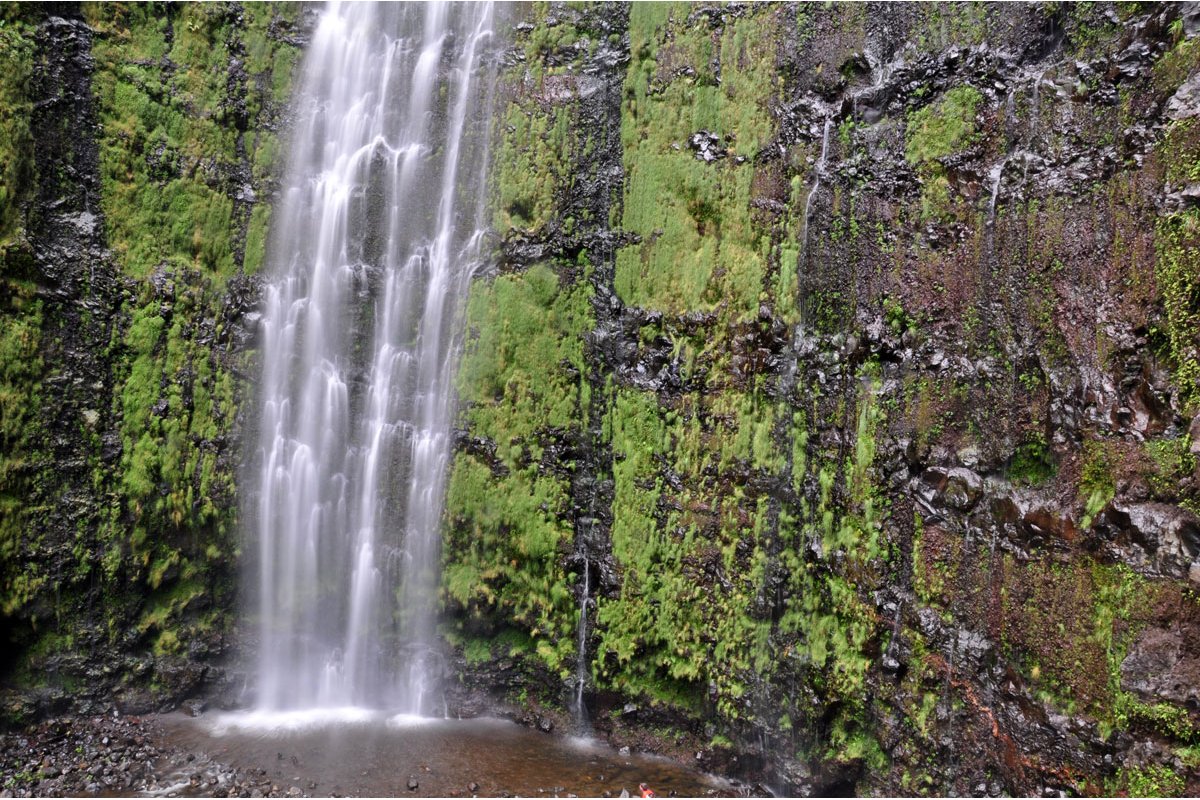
[{"x": 358, "y": 753}]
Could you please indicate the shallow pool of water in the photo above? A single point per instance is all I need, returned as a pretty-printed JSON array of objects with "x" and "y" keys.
[{"x": 357, "y": 752}]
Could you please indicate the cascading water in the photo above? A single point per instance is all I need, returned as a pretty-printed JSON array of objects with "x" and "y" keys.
[{"x": 374, "y": 244}]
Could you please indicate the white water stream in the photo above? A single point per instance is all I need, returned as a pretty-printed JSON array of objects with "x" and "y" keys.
[{"x": 373, "y": 246}]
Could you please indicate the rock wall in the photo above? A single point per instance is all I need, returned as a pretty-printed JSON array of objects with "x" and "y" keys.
[
  {"x": 841, "y": 362},
  {"x": 139, "y": 141}
]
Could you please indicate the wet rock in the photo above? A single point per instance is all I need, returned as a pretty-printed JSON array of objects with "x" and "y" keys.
[
  {"x": 957, "y": 487},
  {"x": 413, "y": 784},
  {"x": 707, "y": 146},
  {"x": 1157, "y": 669},
  {"x": 1154, "y": 536},
  {"x": 1185, "y": 102}
]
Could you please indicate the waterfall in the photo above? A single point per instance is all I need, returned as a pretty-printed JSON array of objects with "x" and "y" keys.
[
  {"x": 994, "y": 176},
  {"x": 373, "y": 245}
]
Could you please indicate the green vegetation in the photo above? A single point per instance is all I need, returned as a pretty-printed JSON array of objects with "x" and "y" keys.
[
  {"x": 1177, "y": 271},
  {"x": 1093, "y": 612},
  {"x": 21, "y": 373},
  {"x": 697, "y": 534},
  {"x": 22, "y": 319},
  {"x": 174, "y": 404},
  {"x": 699, "y": 248},
  {"x": 933, "y": 132},
  {"x": 1149, "y": 781},
  {"x": 171, "y": 136},
  {"x": 826, "y": 624},
  {"x": 1032, "y": 462},
  {"x": 943, "y": 127},
  {"x": 509, "y": 523},
  {"x": 1097, "y": 484},
  {"x": 178, "y": 123},
  {"x": 16, "y": 144}
]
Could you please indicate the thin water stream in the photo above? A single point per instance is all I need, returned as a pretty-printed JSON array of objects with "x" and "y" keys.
[{"x": 818, "y": 173}]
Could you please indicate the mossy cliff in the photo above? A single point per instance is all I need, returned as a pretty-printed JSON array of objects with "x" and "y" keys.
[
  {"x": 139, "y": 142},
  {"x": 846, "y": 356},
  {"x": 843, "y": 357}
]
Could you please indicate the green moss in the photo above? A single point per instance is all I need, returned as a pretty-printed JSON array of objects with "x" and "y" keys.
[
  {"x": 943, "y": 25},
  {"x": 16, "y": 142},
  {"x": 537, "y": 133},
  {"x": 934, "y": 132},
  {"x": 931, "y": 570},
  {"x": 521, "y": 388},
  {"x": 21, "y": 374},
  {"x": 1071, "y": 626},
  {"x": 1149, "y": 781},
  {"x": 699, "y": 247},
  {"x": 1097, "y": 481},
  {"x": 530, "y": 165},
  {"x": 168, "y": 139},
  {"x": 477, "y": 651},
  {"x": 1177, "y": 272},
  {"x": 1032, "y": 462},
  {"x": 942, "y": 128},
  {"x": 1172, "y": 463},
  {"x": 1164, "y": 718}
]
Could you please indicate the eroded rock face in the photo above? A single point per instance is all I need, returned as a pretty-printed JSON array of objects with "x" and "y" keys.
[
  {"x": 1163, "y": 664},
  {"x": 127, "y": 314},
  {"x": 1158, "y": 538},
  {"x": 939, "y": 464}
]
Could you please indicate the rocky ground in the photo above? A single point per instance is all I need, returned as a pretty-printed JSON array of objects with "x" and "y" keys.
[
  {"x": 115, "y": 756},
  {"x": 127, "y": 755}
]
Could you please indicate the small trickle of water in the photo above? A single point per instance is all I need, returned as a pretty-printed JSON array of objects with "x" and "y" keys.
[
  {"x": 818, "y": 173},
  {"x": 994, "y": 176},
  {"x": 1035, "y": 110},
  {"x": 581, "y": 665}
]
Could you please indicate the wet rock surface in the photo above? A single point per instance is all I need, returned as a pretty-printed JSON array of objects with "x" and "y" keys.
[
  {"x": 1035, "y": 484},
  {"x": 110, "y": 756}
]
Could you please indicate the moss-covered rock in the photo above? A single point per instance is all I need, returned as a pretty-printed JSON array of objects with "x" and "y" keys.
[
  {"x": 146, "y": 138},
  {"x": 891, "y": 367}
]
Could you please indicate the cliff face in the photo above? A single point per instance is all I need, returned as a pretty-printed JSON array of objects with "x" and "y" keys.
[
  {"x": 841, "y": 362},
  {"x": 139, "y": 141},
  {"x": 846, "y": 358}
]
